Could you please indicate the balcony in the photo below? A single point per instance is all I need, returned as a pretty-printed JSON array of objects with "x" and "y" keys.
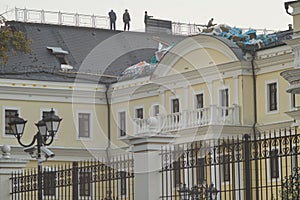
[{"x": 212, "y": 115}]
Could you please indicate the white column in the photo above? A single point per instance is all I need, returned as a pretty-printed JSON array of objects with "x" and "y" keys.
[
  {"x": 211, "y": 92},
  {"x": 7, "y": 166},
  {"x": 236, "y": 90}
]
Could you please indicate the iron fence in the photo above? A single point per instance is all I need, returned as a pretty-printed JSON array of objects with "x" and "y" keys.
[
  {"x": 232, "y": 169},
  {"x": 97, "y": 179}
]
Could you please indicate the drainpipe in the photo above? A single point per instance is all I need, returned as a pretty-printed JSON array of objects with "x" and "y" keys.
[
  {"x": 253, "y": 53},
  {"x": 108, "y": 115}
]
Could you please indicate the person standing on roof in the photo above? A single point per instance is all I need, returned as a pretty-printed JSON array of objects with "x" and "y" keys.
[
  {"x": 126, "y": 20},
  {"x": 112, "y": 18},
  {"x": 146, "y": 18}
]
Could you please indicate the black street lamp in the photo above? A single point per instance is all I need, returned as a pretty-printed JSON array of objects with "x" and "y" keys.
[{"x": 47, "y": 128}]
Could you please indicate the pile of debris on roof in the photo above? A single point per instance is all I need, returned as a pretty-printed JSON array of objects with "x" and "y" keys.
[
  {"x": 143, "y": 68},
  {"x": 247, "y": 40}
]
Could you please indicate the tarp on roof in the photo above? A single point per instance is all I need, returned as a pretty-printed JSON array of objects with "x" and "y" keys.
[{"x": 245, "y": 40}]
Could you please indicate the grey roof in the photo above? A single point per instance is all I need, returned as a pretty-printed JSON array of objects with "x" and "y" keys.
[{"x": 90, "y": 51}]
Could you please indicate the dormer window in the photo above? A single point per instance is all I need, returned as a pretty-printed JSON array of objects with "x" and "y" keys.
[{"x": 60, "y": 54}]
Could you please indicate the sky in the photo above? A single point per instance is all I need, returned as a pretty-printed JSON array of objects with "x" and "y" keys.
[{"x": 257, "y": 14}]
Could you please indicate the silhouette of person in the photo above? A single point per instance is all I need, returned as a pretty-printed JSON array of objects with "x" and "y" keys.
[
  {"x": 112, "y": 18},
  {"x": 126, "y": 20},
  {"x": 146, "y": 17},
  {"x": 210, "y": 23}
]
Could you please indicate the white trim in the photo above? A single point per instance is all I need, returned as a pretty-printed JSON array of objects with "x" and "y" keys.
[
  {"x": 236, "y": 90},
  {"x": 267, "y": 98},
  {"x": 118, "y": 123},
  {"x": 91, "y": 123},
  {"x": 186, "y": 98},
  {"x": 3, "y": 119}
]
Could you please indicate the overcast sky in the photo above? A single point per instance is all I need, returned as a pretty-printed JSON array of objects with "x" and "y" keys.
[{"x": 259, "y": 14}]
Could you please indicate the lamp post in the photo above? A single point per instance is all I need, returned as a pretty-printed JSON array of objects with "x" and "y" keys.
[{"x": 47, "y": 128}]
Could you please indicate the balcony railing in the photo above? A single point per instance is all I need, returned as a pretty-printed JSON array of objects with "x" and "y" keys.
[{"x": 212, "y": 115}]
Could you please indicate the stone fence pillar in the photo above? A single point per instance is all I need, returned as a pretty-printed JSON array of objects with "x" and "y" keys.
[
  {"x": 7, "y": 166},
  {"x": 147, "y": 164}
]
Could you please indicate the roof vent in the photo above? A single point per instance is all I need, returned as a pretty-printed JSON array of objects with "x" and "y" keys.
[
  {"x": 65, "y": 67},
  {"x": 57, "y": 50}
]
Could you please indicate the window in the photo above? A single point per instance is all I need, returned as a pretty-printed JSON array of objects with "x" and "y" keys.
[
  {"x": 224, "y": 101},
  {"x": 139, "y": 113},
  {"x": 294, "y": 158},
  {"x": 176, "y": 167},
  {"x": 225, "y": 168},
  {"x": 9, "y": 116},
  {"x": 122, "y": 123},
  {"x": 155, "y": 110},
  {"x": 49, "y": 183},
  {"x": 45, "y": 114},
  {"x": 122, "y": 183},
  {"x": 85, "y": 184},
  {"x": 175, "y": 105},
  {"x": 274, "y": 163},
  {"x": 84, "y": 124},
  {"x": 293, "y": 100},
  {"x": 199, "y": 101},
  {"x": 272, "y": 96},
  {"x": 200, "y": 162}
]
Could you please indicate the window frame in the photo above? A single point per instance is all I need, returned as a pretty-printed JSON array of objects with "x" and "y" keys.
[
  {"x": 154, "y": 111},
  {"x": 293, "y": 101},
  {"x": 120, "y": 129},
  {"x": 54, "y": 188},
  {"x": 225, "y": 177},
  {"x": 227, "y": 100},
  {"x": 4, "y": 108},
  {"x": 177, "y": 172},
  {"x": 90, "y": 184},
  {"x": 196, "y": 100},
  {"x": 274, "y": 162},
  {"x": 172, "y": 104},
  {"x": 42, "y": 110},
  {"x": 136, "y": 112},
  {"x": 268, "y": 97},
  {"x": 91, "y": 117},
  {"x": 123, "y": 184},
  {"x": 201, "y": 170}
]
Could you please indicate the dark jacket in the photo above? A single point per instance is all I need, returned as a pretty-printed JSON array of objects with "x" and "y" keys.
[
  {"x": 126, "y": 17},
  {"x": 112, "y": 16}
]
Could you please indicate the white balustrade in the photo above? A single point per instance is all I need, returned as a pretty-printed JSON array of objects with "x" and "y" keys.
[
  {"x": 212, "y": 115},
  {"x": 61, "y": 18}
]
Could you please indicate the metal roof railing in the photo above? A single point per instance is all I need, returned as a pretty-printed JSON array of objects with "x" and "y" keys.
[
  {"x": 59, "y": 18},
  {"x": 94, "y": 21}
]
